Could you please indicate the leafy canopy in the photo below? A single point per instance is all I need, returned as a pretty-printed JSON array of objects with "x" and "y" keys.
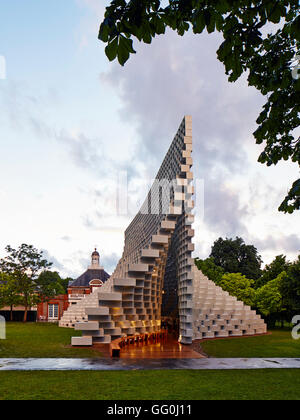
[
  {"x": 9, "y": 295},
  {"x": 239, "y": 286},
  {"x": 269, "y": 299},
  {"x": 49, "y": 285},
  {"x": 268, "y": 59},
  {"x": 234, "y": 256},
  {"x": 272, "y": 270},
  {"x": 24, "y": 265},
  {"x": 290, "y": 288},
  {"x": 210, "y": 269}
]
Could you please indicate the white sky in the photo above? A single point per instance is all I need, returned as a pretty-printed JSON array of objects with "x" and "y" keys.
[{"x": 70, "y": 121}]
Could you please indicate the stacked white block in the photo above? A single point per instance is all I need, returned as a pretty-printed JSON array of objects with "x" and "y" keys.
[
  {"x": 76, "y": 312},
  {"x": 217, "y": 314},
  {"x": 157, "y": 257},
  {"x": 133, "y": 294}
]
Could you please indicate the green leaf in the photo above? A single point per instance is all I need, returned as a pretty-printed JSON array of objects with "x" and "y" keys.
[
  {"x": 112, "y": 49},
  {"x": 199, "y": 24},
  {"x": 276, "y": 13},
  {"x": 160, "y": 26},
  {"x": 104, "y": 32},
  {"x": 147, "y": 38},
  {"x": 124, "y": 50}
]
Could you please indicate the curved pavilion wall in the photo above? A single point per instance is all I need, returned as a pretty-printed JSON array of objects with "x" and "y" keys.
[{"x": 157, "y": 270}]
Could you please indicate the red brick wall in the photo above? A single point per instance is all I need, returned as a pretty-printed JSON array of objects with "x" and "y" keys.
[{"x": 42, "y": 308}]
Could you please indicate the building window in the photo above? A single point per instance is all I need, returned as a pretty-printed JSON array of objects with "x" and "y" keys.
[{"x": 53, "y": 311}]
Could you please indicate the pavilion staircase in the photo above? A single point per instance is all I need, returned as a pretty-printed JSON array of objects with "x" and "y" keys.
[{"x": 130, "y": 301}]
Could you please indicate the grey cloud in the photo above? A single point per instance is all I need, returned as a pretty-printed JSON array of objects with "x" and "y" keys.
[
  {"x": 178, "y": 76},
  {"x": 223, "y": 212},
  {"x": 87, "y": 222},
  {"x": 66, "y": 238},
  {"x": 109, "y": 262},
  {"x": 25, "y": 111},
  {"x": 282, "y": 245},
  {"x": 56, "y": 264},
  {"x": 84, "y": 263},
  {"x": 85, "y": 152}
]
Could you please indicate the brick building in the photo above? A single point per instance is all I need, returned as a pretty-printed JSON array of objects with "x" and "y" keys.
[
  {"x": 95, "y": 276},
  {"x": 53, "y": 310}
]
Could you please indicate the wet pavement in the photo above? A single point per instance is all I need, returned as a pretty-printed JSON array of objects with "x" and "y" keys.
[
  {"x": 144, "y": 364},
  {"x": 166, "y": 349}
]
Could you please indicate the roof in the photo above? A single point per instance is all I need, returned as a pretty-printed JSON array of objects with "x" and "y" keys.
[{"x": 88, "y": 276}]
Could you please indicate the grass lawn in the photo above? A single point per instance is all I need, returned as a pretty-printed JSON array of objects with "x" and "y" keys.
[
  {"x": 279, "y": 344},
  {"x": 41, "y": 340},
  {"x": 281, "y": 384},
  {"x": 48, "y": 340}
]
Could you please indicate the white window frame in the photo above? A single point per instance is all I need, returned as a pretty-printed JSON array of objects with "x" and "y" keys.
[{"x": 53, "y": 308}]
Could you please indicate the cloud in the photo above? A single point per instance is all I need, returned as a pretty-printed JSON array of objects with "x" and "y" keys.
[
  {"x": 66, "y": 238},
  {"x": 178, "y": 76},
  {"x": 96, "y": 6},
  {"x": 26, "y": 111},
  {"x": 175, "y": 77},
  {"x": 109, "y": 262},
  {"x": 223, "y": 211},
  {"x": 281, "y": 245},
  {"x": 85, "y": 152},
  {"x": 90, "y": 22},
  {"x": 57, "y": 265}
]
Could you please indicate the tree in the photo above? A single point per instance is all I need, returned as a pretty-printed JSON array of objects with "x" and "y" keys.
[
  {"x": 272, "y": 271},
  {"x": 9, "y": 295},
  {"x": 239, "y": 286},
  {"x": 290, "y": 289},
  {"x": 49, "y": 285},
  {"x": 269, "y": 300},
  {"x": 268, "y": 58},
  {"x": 234, "y": 256},
  {"x": 24, "y": 266},
  {"x": 65, "y": 283},
  {"x": 210, "y": 269}
]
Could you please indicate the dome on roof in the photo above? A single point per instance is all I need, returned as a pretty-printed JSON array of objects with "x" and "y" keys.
[{"x": 95, "y": 253}]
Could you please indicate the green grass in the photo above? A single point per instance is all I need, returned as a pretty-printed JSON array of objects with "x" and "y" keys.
[
  {"x": 274, "y": 384},
  {"x": 279, "y": 344},
  {"x": 41, "y": 340},
  {"x": 48, "y": 340}
]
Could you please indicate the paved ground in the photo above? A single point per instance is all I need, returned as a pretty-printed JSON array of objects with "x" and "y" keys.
[
  {"x": 167, "y": 348},
  {"x": 146, "y": 364}
]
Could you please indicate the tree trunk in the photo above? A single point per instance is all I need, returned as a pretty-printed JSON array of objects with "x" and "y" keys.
[
  {"x": 11, "y": 312},
  {"x": 25, "y": 314}
]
